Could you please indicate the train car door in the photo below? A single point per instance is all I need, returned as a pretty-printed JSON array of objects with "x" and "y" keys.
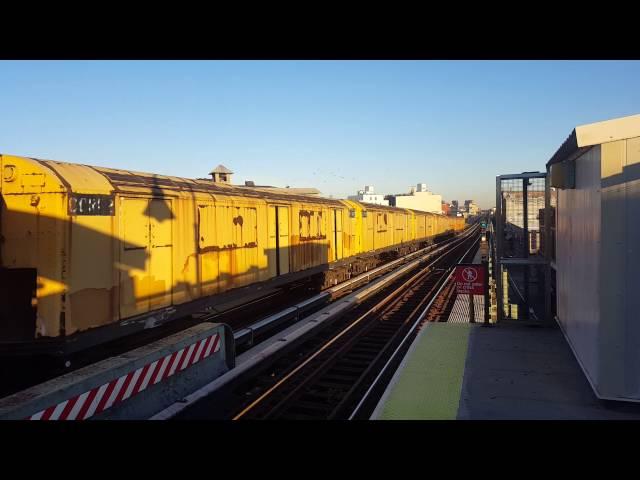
[
  {"x": 160, "y": 253},
  {"x": 272, "y": 242},
  {"x": 283, "y": 240},
  {"x": 337, "y": 224},
  {"x": 146, "y": 271},
  {"x": 370, "y": 229},
  {"x": 278, "y": 245},
  {"x": 134, "y": 257}
]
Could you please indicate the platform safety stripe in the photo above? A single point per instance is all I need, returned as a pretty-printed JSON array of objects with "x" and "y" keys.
[{"x": 104, "y": 396}]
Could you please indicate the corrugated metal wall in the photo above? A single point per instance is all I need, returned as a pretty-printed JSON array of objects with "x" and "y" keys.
[
  {"x": 578, "y": 266},
  {"x": 598, "y": 266},
  {"x": 612, "y": 292},
  {"x": 620, "y": 303},
  {"x": 631, "y": 175}
]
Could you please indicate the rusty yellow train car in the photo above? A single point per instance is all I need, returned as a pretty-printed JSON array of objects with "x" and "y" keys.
[{"x": 90, "y": 253}]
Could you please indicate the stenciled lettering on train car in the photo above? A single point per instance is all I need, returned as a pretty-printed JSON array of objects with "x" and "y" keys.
[{"x": 89, "y": 204}]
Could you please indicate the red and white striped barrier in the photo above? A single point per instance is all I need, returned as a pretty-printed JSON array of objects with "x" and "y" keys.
[{"x": 105, "y": 396}]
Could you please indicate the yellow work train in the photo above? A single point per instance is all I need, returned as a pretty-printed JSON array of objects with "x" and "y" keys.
[{"x": 89, "y": 253}]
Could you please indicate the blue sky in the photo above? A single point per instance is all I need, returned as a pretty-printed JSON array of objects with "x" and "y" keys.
[{"x": 333, "y": 125}]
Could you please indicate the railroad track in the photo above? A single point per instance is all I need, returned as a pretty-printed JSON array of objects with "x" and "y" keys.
[
  {"x": 443, "y": 304},
  {"x": 36, "y": 370},
  {"x": 328, "y": 376}
]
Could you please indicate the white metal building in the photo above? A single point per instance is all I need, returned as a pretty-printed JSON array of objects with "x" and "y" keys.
[
  {"x": 597, "y": 174},
  {"x": 419, "y": 199},
  {"x": 368, "y": 196}
]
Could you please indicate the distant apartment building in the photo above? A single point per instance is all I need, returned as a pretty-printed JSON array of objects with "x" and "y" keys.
[
  {"x": 418, "y": 198},
  {"x": 445, "y": 208},
  {"x": 513, "y": 211},
  {"x": 368, "y": 196},
  {"x": 471, "y": 208},
  {"x": 453, "y": 210}
]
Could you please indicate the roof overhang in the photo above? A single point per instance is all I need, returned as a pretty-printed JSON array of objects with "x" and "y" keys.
[{"x": 584, "y": 137}]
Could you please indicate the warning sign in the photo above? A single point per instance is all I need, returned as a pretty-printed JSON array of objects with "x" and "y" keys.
[{"x": 470, "y": 279}]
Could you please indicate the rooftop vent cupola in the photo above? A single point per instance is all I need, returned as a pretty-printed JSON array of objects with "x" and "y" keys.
[{"x": 221, "y": 174}]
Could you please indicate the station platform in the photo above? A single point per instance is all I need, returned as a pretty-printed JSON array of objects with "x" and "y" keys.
[{"x": 506, "y": 371}]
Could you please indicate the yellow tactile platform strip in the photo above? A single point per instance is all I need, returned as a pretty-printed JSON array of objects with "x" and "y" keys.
[{"x": 428, "y": 383}]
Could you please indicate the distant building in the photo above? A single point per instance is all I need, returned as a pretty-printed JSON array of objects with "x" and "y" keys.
[
  {"x": 454, "y": 208},
  {"x": 514, "y": 208},
  {"x": 445, "y": 208},
  {"x": 471, "y": 208},
  {"x": 418, "y": 199},
  {"x": 368, "y": 196}
]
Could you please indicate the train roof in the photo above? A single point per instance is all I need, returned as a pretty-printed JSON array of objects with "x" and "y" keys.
[
  {"x": 121, "y": 180},
  {"x": 374, "y": 206}
]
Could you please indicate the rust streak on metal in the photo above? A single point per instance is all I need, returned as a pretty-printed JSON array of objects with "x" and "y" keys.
[{"x": 232, "y": 246}]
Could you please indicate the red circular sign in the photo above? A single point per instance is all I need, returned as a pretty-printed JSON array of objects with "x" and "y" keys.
[{"x": 469, "y": 274}]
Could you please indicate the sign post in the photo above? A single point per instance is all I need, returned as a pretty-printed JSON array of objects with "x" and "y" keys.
[
  {"x": 472, "y": 310},
  {"x": 485, "y": 264},
  {"x": 471, "y": 280}
]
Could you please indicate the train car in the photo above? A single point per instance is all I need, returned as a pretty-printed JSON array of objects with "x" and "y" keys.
[
  {"x": 421, "y": 225},
  {"x": 382, "y": 218},
  {"x": 88, "y": 254},
  {"x": 352, "y": 242}
]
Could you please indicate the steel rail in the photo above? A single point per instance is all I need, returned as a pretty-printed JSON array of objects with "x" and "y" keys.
[
  {"x": 276, "y": 348},
  {"x": 402, "y": 343},
  {"x": 395, "y": 294}
]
